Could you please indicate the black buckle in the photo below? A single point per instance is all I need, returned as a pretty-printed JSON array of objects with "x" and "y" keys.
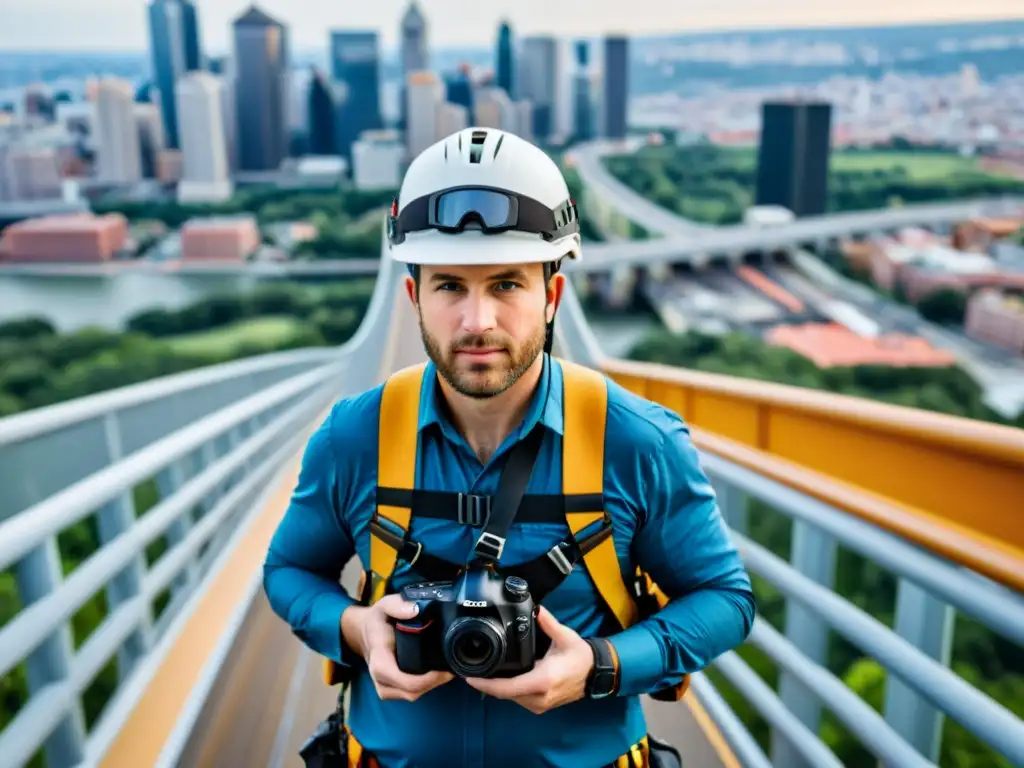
[
  {"x": 474, "y": 510},
  {"x": 489, "y": 546}
]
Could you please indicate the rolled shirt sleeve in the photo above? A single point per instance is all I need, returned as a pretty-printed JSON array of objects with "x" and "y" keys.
[{"x": 684, "y": 545}]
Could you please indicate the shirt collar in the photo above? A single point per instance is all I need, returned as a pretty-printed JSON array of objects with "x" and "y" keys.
[{"x": 545, "y": 405}]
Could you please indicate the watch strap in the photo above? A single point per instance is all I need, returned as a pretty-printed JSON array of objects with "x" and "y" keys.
[{"x": 603, "y": 679}]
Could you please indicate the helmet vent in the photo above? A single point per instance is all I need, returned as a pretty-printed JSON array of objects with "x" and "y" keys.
[
  {"x": 498, "y": 145},
  {"x": 476, "y": 146}
]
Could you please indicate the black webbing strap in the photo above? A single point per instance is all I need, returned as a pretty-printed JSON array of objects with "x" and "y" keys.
[
  {"x": 433, "y": 568},
  {"x": 511, "y": 488},
  {"x": 543, "y": 574},
  {"x": 473, "y": 509}
]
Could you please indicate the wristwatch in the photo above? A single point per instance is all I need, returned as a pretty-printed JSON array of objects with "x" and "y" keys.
[{"x": 603, "y": 679}]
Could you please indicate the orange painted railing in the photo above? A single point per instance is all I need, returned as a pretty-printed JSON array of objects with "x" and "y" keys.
[{"x": 958, "y": 484}]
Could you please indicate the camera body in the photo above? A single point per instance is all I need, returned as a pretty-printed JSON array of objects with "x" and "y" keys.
[{"x": 480, "y": 625}]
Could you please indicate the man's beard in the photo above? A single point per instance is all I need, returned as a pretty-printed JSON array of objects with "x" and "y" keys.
[{"x": 484, "y": 379}]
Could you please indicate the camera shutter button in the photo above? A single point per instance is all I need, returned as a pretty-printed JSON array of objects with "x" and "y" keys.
[{"x": 517, "y": 589}]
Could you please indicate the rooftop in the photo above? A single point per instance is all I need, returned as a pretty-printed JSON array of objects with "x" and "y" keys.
[
  {"x": 829, "y": 345},
  {"x": 68, "y": 222},
  {"x": 942, "y": 258}
]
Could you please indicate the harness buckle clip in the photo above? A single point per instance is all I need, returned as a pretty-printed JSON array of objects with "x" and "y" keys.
[
  {"x": 474, "y": 510},
  {"x": 490, "y": 546}
]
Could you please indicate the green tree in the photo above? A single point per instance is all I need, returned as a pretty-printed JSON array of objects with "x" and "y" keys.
[{"x": 945, "y": 306}]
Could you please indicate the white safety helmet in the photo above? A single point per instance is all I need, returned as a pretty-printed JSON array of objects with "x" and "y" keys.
[{"x": 483, "y": 196}]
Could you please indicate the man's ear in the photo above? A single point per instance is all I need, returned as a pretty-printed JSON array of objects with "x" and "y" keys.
[
  {"x": 555, "y": 291},
  {"x": 410, "y": 290}
]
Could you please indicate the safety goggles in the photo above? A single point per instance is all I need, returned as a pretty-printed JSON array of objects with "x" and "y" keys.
[{"x": 492, "y": 210}]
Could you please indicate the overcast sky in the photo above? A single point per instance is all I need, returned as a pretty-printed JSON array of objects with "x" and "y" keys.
[{"x": 121, "y": 24}]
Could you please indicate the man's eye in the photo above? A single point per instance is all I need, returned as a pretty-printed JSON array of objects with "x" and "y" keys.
[
  {"x": 507, "y": 285},
  {"x": 449, "y": 287}
]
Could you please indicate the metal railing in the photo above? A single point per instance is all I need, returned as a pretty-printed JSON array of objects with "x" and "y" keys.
[
  {"x": 212, "y": 440},
  {"x": 921, "y": 689}
]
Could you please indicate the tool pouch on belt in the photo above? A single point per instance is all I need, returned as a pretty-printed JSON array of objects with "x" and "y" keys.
[
  {"x": 328, "y": 746},
  {"x": 663, "y": 755}
]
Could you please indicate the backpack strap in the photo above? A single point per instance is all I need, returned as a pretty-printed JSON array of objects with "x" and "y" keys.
[
  {"x": 396, "y": 468},
  {"x": 585, "y": 404},
  {"x": 586, "y": 411}
]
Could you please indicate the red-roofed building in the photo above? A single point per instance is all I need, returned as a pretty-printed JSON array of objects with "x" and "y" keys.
[
  {"x": 74, "y": 237},
  {"x": 830, "y": 345}
]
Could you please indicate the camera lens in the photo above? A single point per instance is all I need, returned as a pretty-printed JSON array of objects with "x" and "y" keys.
[{"x": 474, "y": 646}]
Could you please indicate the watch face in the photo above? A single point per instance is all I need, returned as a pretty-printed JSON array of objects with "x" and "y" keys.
[{"x": 602, "y": 683}]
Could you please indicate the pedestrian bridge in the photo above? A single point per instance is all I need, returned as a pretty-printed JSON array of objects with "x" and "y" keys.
[{"x": 203, "y": 674}]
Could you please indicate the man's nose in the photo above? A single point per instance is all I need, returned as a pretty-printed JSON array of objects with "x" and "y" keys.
[{"x": 479, "y": 315}]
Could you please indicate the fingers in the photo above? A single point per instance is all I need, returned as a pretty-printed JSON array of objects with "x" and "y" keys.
[
  {"x": 396, "y": 607},
  {"x": 393, "y": 683},
  {"x": 551, "y": 627},
  {"x": 535, "y": 682}
]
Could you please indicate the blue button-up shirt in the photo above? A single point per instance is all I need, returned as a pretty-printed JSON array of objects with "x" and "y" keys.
[{"x": 664, "y": 515}]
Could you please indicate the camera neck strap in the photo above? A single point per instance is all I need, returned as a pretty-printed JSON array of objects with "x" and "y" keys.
[{"x": 511, "y": 488}]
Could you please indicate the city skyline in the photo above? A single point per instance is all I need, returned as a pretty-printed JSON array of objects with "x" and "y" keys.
[{"x": 120, "y": 25}]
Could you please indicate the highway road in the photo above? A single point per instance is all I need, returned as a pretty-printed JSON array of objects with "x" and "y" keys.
[
  {"x": 599, "y": 181},
  {"x": 739, "y": 239}
]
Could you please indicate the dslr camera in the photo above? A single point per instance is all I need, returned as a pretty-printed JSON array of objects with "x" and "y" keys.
[{"x": 480, "y": 625}]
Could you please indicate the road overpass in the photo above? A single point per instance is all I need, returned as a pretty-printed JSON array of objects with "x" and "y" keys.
[
  {"x": 606, "y": 195},
  {"x": 215, "y": 679},
  {"x": 733, "y": 242}
]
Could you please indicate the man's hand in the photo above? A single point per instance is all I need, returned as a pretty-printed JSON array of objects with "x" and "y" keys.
[
  {"x": 558, "y": 678},
  {"x": 369, "y": 633}
]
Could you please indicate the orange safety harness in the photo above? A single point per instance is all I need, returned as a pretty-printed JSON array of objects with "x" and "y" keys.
[{"x": 580, "y": 505}]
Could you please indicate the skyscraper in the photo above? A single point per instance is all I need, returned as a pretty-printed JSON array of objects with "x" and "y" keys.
[
  {"x": 425, "y": 94},
  {"x": 203, "y": 146},
  {"x": 503, "y": 69},
  {"x": 793, "y": 156},
  {"x": 119, "y": 154},
  {"x": 583, "y": 108},
  {"x": 175, "y": 50},
  {"x": 537, "y": 81},
  {"x": 414, "y": 53},
  {"x": 355, "y": 61},
  {"x": 261, "y": 88},
  {"x": 616, "y": 86},
  {"x": 414, "y": 41},
  {"x": 323, "y": 109}
]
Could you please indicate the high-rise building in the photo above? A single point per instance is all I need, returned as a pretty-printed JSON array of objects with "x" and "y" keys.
[
  {"x": 261, "y": 91},
  {"x": 494, "y": 109},
  {"x": 205, "y": 174},
  {"x": 323, "y": 109},
  {"x": 793, "y": 156},
  {"x": 425, "y": 93},
  {"x": 458, "y": 88},
  {"x": 538, "y": 79},
  {"x": 377, "y": 157},
  {"x": 355, "y": 62},
  {"x": 504, "y": 63},
  {"x": 174, "y": 46},
  {"x": 415, "y": 57},
  {"x": 616, "y": 86},
  {"x": 119, "y": 156},
  {"x": 583, "y": 105},
  {"x": 151, "y": 136},
  {"x": 450, "y": 119}
]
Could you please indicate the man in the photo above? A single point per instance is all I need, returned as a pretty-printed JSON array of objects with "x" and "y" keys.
[{"x": 484, "y": 220}]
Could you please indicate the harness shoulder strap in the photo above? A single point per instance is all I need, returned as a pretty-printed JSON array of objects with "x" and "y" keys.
[
  {"x": 396, "y": 468},
  {"x": 585, "y": 404}
]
